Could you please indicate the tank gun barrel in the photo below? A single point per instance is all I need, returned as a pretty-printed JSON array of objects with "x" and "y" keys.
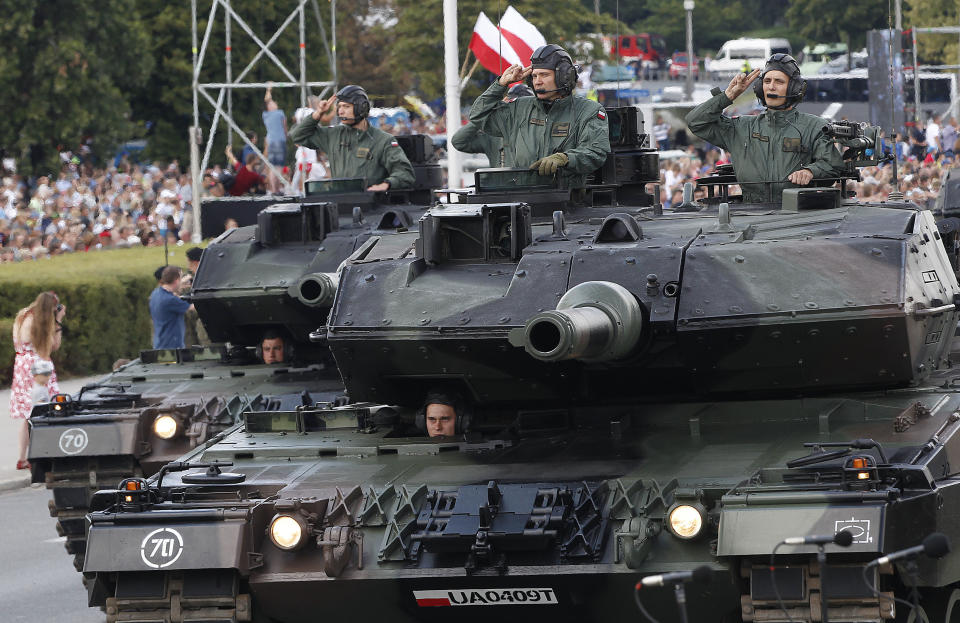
[
  {"x": 316, "y": 289},
  {"x": 594, "y": 321}
]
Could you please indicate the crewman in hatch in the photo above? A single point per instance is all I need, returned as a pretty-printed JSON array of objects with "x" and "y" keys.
[
  {"x": 354, "y": 147},
  {"x": 782, "y": 145},
  {"x": 556, "y": 132},
  {"x": 444, "y": 414}
]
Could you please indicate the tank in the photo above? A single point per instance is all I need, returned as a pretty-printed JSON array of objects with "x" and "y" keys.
[
  {"x": 637, "y": 391},
  {"x": 280, "y": 275}
]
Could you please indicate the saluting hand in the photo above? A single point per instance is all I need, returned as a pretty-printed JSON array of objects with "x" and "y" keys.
[
  {"x": 740, "y": 83},
  {"x": 323, "y": 107},
  {"x": 514, "y": 73}
]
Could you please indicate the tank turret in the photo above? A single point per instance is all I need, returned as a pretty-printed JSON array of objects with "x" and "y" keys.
[
  {"x": 602, "y": 302},
  {"x": 278, "y": 273}
]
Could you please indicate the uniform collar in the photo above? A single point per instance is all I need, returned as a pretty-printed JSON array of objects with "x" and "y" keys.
[
  {"x": 781, "y": 117},
  {"x": 557, "y": 104}
]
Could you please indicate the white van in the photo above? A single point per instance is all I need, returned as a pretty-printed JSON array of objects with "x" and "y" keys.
[{"x": 730, "y": 58}]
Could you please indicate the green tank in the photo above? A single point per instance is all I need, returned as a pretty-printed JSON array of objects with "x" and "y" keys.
[
  {"x": 276, "y": 275},
  {"x": 637, "y": 392}
]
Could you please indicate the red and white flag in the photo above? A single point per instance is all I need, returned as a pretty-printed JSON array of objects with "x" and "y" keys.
[
  {"x": 492, "y": 50},
  {"x": 522, "y": 35},
  {"x": 512, "y": 43}
]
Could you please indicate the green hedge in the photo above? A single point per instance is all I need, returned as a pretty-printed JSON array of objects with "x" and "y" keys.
[{"x": 106, "y": 297}]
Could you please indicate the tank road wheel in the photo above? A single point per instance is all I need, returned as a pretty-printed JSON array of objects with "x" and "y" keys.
[{"x": 942, "y": 605}]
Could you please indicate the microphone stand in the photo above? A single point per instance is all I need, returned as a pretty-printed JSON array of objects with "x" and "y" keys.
[
  {"x": 681, "y": 596},
  {"x": 912, "y": 571},
  {"x": 822, "y": 562}
]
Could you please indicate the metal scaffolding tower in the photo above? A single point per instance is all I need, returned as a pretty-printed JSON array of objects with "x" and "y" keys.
[{"x": 204, "y": 90}]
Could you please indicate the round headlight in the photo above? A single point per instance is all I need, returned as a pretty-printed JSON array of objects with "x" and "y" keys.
[
  {"x": 165, "y": 426},
  {"x": 685, "y": 521},
  {"x": 287, "y": 532}
]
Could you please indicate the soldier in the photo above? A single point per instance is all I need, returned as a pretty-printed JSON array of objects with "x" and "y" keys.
[
  {"x": 552, "y": 132},
  {"x": 444, "y": 414},
  {"x": 272, "y": 348},
  {"x": 471, "y": 140},
  {"x": 781, "y": 145},
  {"x": 354, "y": 148}
]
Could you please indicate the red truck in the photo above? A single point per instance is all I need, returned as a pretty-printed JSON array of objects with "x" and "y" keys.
[{"x": 648, "y": 51}]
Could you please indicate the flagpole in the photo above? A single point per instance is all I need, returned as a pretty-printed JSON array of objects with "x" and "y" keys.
[
  {"x": 466, "y": 59},
  {"x": 465, "y": 79},
  {"x": 450, "y": 57}
]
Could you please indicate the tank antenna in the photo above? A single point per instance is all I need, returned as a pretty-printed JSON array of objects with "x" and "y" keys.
[{"x": 895, "y": 194}]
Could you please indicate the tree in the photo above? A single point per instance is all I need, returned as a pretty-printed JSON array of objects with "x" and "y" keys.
[
  {"x": 714, "y": 21},
  {"x": 66, "y": 71},
  {"x": 934, "y": 49},
  {"x": 828, "y": 21}
]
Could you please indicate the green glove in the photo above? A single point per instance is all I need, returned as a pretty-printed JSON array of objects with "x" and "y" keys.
[{"x": 550, "y": 164}]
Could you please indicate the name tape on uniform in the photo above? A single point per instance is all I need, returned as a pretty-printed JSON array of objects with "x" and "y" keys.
[{"x": 487, "y": 597}]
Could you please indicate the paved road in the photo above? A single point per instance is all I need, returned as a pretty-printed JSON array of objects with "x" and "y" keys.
[{"x": 37, "y": 581}]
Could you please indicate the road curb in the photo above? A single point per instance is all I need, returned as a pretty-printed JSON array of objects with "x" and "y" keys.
[{"x": 14, "y": 483}]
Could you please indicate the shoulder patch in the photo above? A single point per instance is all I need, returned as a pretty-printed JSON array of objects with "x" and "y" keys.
[
  {"x": 601, "y": 115},
  {"x": 394, "y": 143}
]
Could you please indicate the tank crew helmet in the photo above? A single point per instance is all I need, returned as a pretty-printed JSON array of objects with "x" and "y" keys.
[
  {"x": 352, "y": 94},
  {"x": 552, "y": 56},
  {"x": 519, "y": 90},
  {"x": 796, "y": 87}
]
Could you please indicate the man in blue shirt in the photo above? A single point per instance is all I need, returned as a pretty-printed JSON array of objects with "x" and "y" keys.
[
  {"x": 167, "y": 310},
  {"x": 276, "y": 140}
]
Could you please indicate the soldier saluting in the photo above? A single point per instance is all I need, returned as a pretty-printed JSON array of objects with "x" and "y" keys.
[
  {"x": 354, "y": 148},
  {"x": 554, "y": 132},
  {"x": 781, "y": 145}
]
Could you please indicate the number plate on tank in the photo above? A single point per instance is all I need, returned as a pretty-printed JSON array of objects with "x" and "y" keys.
[{"x": 487, "y": 597}]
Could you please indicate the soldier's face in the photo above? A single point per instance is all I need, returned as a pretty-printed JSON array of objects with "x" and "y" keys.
[
  {"x": 441, "y": 420},
  {"x": 775, "y": 87},
  {"x": 345, "y": 112},
  {"x": 272, "y": 350},
  {"x": 545, "y": 80}
]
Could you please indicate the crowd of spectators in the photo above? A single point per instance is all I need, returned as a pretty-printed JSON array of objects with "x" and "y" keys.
[{"x": 83, "y": 208}]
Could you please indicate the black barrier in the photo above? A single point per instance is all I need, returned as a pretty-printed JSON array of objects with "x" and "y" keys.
[{"x": 215, "y": 211}]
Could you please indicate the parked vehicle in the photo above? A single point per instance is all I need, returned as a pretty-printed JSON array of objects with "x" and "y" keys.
[
  {"x": 735, "y": 54},
  {"x": 647, "y": 50},
  {"x": 677, "y": 66}
]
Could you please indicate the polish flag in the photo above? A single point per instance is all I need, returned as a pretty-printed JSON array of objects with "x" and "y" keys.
[
  {"x": 523, "y": 36},
  {"x": 493, "y": 50}
]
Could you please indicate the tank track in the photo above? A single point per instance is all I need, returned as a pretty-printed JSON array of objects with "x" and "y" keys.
[{"x": 73, "y": 482}]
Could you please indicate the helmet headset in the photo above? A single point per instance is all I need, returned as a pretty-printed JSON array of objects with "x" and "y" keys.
[
  {"x": 554, "y": 57},
  {"x": 796, "y": 87},
  {"x": 452, "y": 399},
  {"x": 352, "y": 94}
]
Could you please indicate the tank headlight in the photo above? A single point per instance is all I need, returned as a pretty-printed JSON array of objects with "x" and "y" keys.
[
  {"x": 686, "y": 521},
  {"x": 288, "y": 532},
  {"x": 166, "y": 426}
]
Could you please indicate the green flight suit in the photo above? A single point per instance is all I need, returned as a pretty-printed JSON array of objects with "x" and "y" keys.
[
  {"x": 767, "y": 147},
  {"x": 536, "y": 129},
  {"x": 371, "y": 154},
  {"x": 470, "y": 139}
]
